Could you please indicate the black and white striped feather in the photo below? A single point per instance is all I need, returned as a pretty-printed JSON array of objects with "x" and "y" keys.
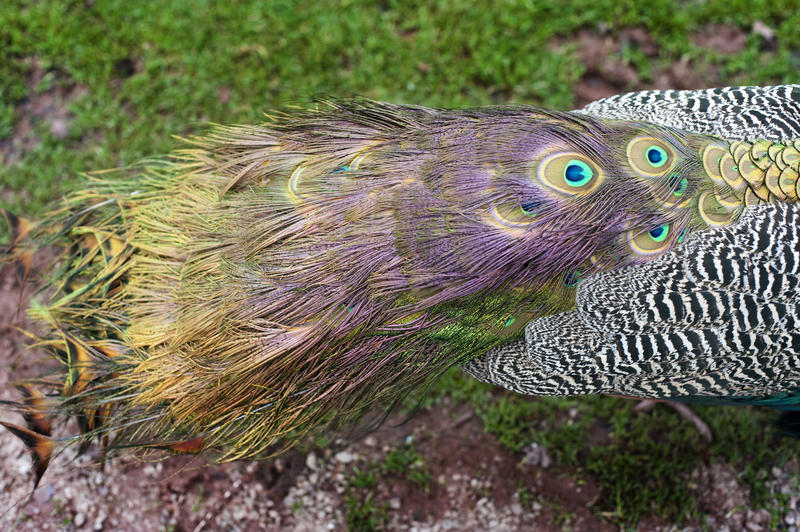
[
  {"x": 716, "y": 319},
  {"x": 741, "y": 113}
]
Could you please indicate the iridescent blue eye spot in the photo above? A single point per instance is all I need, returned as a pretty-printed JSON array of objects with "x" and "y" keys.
[
  {"x": 683, "y": 234},
  {"x": 572, "y": 278},
  {"x": 659, "y": 233},
  {"x": 345, "y": 168},
  {"x": 678, "y": 184},
  {"x": 529, "y": 207},
  {"x": 656, "y": 156},
  {"x": 577, "y": 173}
]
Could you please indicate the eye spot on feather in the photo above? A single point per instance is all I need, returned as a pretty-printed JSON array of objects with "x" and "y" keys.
[
  {"x": 712, "y": 157},
  {"x": 674, "y": 193},
  {"x": 678, "y": 185},
  {"x": 359, "y": 158},
  {"x": 530, "y": 207},
  {"x": 650, "y": 157},
  {"x": 714, "y": 213},
  {"x": 293, "y": 185},
  {"x": 569, "y": 173},
  {"x": 659, "y": 234},
  {"x": 577, "y": 173},
  {"x": 653, "y": 241},
  {"x": 572, "y": 278},
  {"x": 730, "y": 173},
  {"x": 513, "y": 215},
  {"x": 656, "y": 156}
]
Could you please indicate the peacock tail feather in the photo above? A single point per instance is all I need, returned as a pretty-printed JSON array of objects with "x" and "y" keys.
[{"x": 269, "y": 280}]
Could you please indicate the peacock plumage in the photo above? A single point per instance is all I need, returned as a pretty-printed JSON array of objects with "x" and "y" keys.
[
  {"x": 269, "y": 280},
  {"x": 716, "y": 320}
]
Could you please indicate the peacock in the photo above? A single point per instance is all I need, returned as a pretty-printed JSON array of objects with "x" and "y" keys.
[{"x": 269, "y": 280}]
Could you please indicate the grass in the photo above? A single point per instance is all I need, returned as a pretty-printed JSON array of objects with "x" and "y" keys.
[
  {"x": 364, "y": 512},
  {"x": 138, "y": 75},
  {"x": 199, "y": 499},
  {"x": 409, "y": 464}
]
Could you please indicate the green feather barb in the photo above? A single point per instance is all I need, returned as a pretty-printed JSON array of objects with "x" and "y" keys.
[{"x": 272, "y": 279}]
